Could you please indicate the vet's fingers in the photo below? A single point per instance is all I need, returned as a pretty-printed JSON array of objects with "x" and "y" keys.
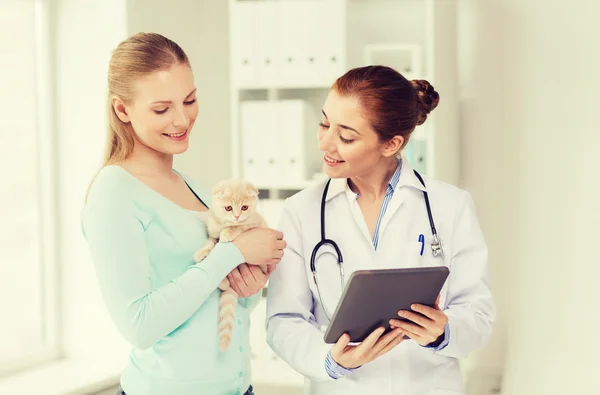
[
  {"x": 384, "y": 341},
  {"x": 416, "y": 318},
  {"x": 409, "y": 327},
  {"x": 364, "y": 348},
  {"x": 418, "y": 338},
  {"x": 391, "y": 345},
  {"x": 430, "y": 312},
  {"x": 340, "y": 346}
]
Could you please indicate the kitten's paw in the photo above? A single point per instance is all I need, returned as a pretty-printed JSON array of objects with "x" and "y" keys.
[
  {"x": 226, "y": 235},
  {"x": 201, "y": 254}
]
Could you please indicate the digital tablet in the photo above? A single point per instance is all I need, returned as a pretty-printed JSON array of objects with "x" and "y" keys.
[{"x": 372, "y": 297}]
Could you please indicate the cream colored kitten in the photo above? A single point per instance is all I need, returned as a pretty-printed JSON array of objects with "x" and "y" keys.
[{"x": 233, "y": 212}]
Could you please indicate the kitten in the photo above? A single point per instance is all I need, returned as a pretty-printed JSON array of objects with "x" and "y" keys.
[{"x": 233, "y": 212}]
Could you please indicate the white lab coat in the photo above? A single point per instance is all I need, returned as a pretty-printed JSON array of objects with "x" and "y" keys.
[{"x": 295, "y": 319}]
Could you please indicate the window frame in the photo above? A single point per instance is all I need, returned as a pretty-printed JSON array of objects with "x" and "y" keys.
[{"x": 47, "y": 199}]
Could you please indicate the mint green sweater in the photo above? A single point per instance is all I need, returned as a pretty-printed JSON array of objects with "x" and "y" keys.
[{"x": 165, "y": 305}]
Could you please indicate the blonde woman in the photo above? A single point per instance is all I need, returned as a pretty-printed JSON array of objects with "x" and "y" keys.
[{"x": 144, "y": 221}]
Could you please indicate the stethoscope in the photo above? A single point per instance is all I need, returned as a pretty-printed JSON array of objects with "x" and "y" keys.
[{"x": 436, "y": 245}]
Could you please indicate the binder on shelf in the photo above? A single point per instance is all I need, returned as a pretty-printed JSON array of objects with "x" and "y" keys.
[
  {"x": 330, "y": 48},
  {"x": 299, "y": 154},
  {"x": 278, "y": 142},
  {"x": 404, "y": 58},
  {"x": 259, "y": 139},
  {"x": 244, "y": 43},
  {"x": 267, "y": 41},
  {"x": 272, "y": 45},
  {"x": 295, "y": 47}
]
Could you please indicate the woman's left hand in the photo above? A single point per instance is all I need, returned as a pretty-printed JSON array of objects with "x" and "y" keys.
[
  {"x": 428, "y": 323},
  {"x": 246, "y": 280}
]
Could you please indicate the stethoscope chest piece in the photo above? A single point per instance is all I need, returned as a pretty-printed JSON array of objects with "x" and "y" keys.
[{"x": 436, "y": 246}]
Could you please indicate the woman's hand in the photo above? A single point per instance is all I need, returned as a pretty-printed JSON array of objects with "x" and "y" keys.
[
  {"x": 248, "y": 280},
  {"x": 261, "y": 246},
  {"x": 372, "y": 347},
  {"x": 427, "y": 325}
]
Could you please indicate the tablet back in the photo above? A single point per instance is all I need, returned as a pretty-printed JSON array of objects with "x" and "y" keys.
[{"x": 372, "y": 297}]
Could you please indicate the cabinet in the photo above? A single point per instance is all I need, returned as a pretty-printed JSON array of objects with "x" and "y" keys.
[{"x": 286, "y": 54}]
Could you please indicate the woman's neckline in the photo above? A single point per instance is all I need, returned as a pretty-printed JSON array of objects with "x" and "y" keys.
[{"x": 160, "y": 195}]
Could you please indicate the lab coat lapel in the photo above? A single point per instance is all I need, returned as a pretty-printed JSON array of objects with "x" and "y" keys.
[
  {"x": 408, "y": 180},
  {"x": 394, "y": 205}
]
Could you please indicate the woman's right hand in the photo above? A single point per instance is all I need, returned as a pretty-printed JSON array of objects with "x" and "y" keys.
[
  {"x": 371, "y": 348},
  {"x": 261, "y": 246}
]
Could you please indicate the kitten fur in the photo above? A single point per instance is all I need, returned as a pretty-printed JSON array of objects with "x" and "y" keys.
[{"x": 233, "y": 212}]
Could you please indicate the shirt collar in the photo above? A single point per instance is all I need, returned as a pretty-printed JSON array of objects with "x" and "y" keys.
[{"x": 400, "y": 178}]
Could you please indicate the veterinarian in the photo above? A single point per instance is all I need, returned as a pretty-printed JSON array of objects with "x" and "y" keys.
[
  {"x": 378, "y": 213},
  {"x": 143, "y": 222}
]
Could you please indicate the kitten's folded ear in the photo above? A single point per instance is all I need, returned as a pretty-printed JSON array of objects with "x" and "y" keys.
[
  {"x": 251, "y": 190},
  {"x": 219, "y": 190}
]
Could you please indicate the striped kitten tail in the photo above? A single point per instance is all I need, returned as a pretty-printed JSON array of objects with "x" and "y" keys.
[{"x": 227, "y": 303}]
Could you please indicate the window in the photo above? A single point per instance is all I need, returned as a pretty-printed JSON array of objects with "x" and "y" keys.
[{"x": 28, "y": 276}]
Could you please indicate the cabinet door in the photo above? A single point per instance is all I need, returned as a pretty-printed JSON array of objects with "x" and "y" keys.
[
  {"x": 294, "y": 45},
  {"x": 292, "y": 128},
  {"x": 260, "y": 142},
  {"x": 328, "y": 42},
  {"x": 244, "y": 43},
  {"x": 267, "y": 42}
]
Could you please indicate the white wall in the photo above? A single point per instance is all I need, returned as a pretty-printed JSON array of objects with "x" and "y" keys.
[
  {"x": 201, "y": 28},
  {"x": 81, "y": 64},
  {"x": 530, "y": 79},
  {"x": 485, "y": 165}
]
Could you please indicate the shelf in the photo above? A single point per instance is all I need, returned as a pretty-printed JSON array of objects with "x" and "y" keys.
[
  {"x": 275, "y": 58},
  {"x": 294, "y": 186},
  {"x": 281, "y": 87}
]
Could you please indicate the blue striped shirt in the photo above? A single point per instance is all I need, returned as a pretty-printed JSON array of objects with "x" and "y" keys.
[
  {"x": 392, "y": 184},
  {"x": 334, "y": 370}
]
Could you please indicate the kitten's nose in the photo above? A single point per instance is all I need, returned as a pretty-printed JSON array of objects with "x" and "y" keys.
[{"x": 237, "y": 216}]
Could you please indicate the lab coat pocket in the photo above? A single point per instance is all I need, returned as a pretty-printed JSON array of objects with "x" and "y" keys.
[{"x": 420, "y": 255}]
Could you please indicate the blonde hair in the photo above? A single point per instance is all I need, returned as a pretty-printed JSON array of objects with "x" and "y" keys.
[{"x": 137, "y": 56}]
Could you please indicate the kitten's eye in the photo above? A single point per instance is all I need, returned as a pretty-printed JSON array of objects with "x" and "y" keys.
[
  {"x": 244, "y": 208},
  {"x": 228, "y": 208}
]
